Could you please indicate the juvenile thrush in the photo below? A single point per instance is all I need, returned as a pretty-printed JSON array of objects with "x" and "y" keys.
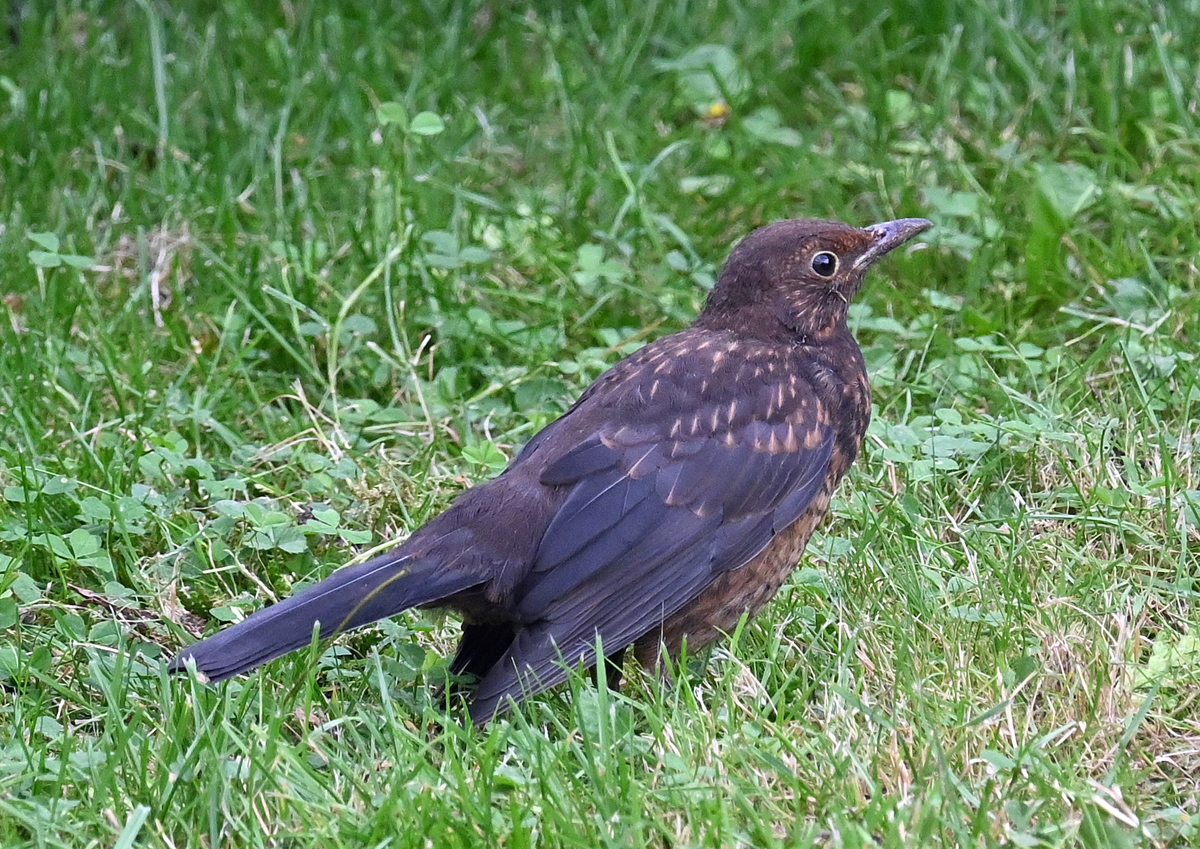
[{"x": 674, "y": 496}]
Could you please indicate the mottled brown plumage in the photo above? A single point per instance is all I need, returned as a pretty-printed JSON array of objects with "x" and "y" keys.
[{"x": 676, "y": 495}]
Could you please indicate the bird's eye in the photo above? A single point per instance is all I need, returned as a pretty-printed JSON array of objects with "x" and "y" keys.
[{"x": 825, "y": 263}]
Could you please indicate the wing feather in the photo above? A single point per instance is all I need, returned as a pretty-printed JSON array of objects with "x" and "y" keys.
[{"x": 652, "y": 517}]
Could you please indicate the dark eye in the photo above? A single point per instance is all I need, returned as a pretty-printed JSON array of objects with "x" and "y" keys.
[{"x": 825, "y": 263}]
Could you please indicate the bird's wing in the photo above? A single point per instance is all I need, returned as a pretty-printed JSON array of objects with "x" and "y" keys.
[{"x": 655, "y": 511}]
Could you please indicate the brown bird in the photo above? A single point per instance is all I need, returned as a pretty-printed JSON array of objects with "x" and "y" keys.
[{"x": 674, "y": 496}]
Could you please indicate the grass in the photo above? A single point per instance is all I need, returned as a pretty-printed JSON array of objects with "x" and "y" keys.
[{"x": 279, "y": 283}]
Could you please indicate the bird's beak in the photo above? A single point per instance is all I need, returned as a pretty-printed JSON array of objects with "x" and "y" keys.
[{"x": 889, "y": 235}]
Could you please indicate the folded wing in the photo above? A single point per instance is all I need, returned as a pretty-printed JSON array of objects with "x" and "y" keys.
[{"x": 654, "y": 514}]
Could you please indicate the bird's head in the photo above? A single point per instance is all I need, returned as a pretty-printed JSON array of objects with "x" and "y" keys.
[{"x": 796, "y": 278}]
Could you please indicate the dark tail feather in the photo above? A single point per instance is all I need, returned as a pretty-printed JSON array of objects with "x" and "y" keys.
[{"x": 349, "y": 598}]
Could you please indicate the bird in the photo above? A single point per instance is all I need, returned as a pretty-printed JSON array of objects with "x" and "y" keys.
[{"x": 674, "y": 497}]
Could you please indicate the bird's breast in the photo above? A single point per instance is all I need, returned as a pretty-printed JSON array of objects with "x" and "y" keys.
[{"x": 742, "y": 591}]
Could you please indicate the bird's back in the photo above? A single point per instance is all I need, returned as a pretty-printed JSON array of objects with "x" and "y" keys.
[{"x": 684, "y": 486}]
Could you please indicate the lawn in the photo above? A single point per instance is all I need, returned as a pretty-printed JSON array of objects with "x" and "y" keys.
[{"x": 280, "y": 280}]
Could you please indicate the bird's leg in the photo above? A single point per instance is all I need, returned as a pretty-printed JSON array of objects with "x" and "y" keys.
[
  {"x": 482, "y": 645},
  {"x": 613, "y": 666}
]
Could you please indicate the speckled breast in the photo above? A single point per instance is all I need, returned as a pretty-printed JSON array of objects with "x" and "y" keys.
[{"x": 744, "y": 590}]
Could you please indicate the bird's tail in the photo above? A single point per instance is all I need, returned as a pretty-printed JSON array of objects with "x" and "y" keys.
[{"x": 349, "y": 598}]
